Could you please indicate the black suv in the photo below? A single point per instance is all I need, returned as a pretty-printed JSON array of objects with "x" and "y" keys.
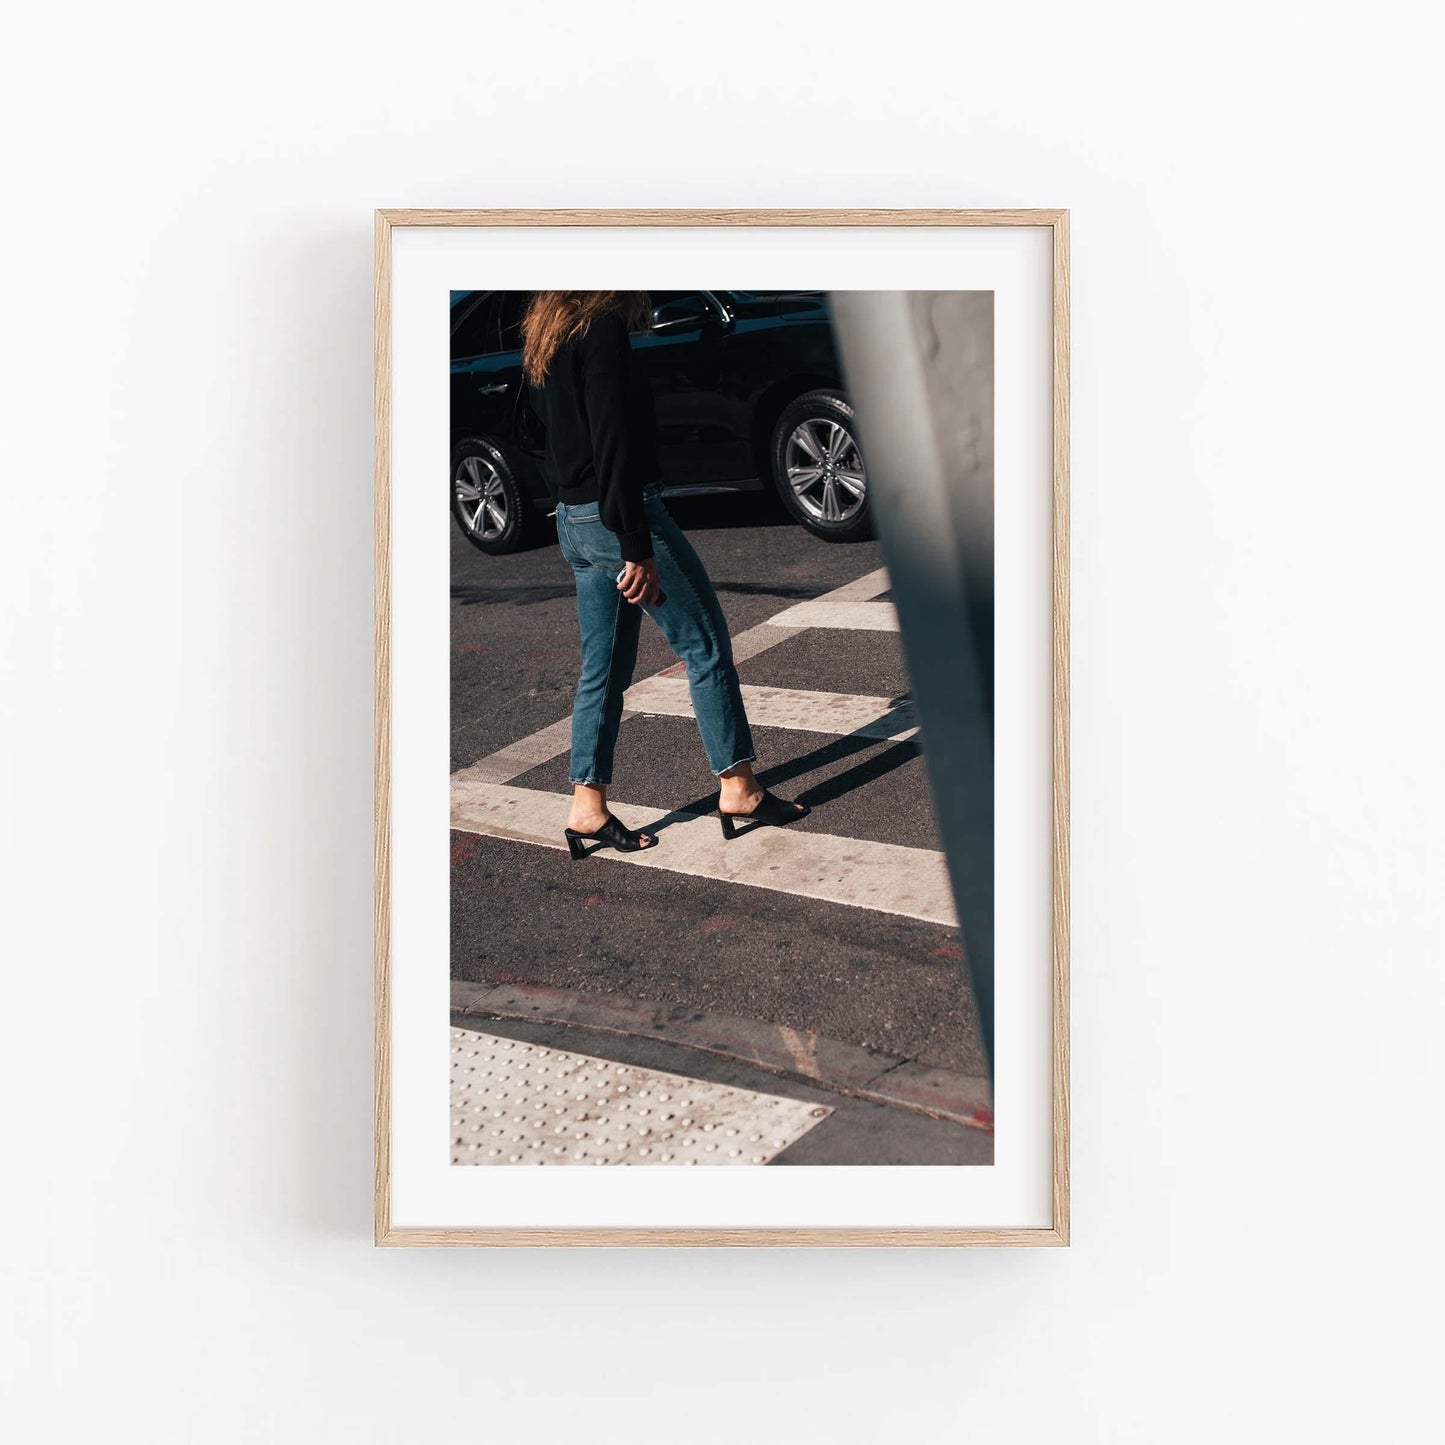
[{"x": 749, "y": 396}]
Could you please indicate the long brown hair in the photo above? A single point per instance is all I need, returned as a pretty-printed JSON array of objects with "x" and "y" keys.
[{"x": 555, "y": 317}]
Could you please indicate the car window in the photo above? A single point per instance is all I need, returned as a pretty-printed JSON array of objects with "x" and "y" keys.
[
  {"x": 514, "y": 307},
  {"x": 476, "y": 333}
]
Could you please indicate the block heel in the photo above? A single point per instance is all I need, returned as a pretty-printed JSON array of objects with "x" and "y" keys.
[{"x": 771, "y": 812}]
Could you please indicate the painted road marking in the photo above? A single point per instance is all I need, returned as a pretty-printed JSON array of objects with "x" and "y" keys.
[
  {"x": 784, "y": 707},
  {"x": 884, "y": 877},
  {"x": 860, "y": 589},
  {"x": 755, "y": 640},
  {"x": 548, "y": 742},
  {"x": 520, "y": 1103},
  {"x": 831, "y": 611},
  {"x": 522, "y": 756}
]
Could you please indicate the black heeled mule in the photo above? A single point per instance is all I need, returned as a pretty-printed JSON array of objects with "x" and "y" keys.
[
  {"x": 771, "y": 812},
  {"x": 612, "y": 833}
]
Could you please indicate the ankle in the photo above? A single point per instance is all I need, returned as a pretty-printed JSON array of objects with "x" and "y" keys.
[
  {"x": 587, "y": 814},
  {"x": 732, "y": 791}
]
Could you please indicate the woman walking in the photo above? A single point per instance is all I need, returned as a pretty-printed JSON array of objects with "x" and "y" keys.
[{"x": 628, "y": 555}]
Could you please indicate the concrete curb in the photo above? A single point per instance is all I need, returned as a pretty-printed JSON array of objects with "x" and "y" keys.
[{"x": 844, "y": 1068}]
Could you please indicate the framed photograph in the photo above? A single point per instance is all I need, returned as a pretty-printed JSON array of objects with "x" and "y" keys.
[{"x": 722, "y": 791}]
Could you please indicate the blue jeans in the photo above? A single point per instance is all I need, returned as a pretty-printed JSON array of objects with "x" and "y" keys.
[{"x": 691, "y": 620}]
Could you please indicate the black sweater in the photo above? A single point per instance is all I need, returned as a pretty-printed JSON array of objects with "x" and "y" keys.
[{"x": 601, "y": 431}]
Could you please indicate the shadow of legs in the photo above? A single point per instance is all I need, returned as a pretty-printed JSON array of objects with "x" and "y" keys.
[{"x": 877, "y": 766}]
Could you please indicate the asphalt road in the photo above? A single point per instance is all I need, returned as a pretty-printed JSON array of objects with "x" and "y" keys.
[{"x": 527, "y": 914}]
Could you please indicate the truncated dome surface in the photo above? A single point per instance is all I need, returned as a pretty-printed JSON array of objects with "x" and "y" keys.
[{"x": 520, "y": 1103}]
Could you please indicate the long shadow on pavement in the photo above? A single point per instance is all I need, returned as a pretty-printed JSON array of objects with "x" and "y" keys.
[{"x": 835, "y": 787}]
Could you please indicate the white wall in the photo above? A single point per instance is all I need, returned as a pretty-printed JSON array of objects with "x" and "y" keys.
[{"x": 1258, "y": 796}]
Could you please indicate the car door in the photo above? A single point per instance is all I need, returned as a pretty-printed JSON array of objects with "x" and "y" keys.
[
  {"x": 481, "y": 391},
  {"x": 526, "y": 426},
  {"x": 489, "y": 392},
  {"x": 682, "y": 356}
]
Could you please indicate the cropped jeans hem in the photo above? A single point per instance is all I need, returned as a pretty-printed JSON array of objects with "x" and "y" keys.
[{"x": 751, "y": 758}]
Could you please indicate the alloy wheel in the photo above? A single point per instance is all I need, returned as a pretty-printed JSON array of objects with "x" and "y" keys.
[
  {"x": 825, "y": 470},
  {"x": 481, "y": 498}
]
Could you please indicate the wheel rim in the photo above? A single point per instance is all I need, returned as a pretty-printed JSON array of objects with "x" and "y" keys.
[
  {"x": 481, "y": 498},
  {"x": 825, "y": 470}
]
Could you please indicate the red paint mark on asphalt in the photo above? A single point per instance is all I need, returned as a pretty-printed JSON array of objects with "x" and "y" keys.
[
  {"x": 462, "y": 849},
  {"x": 593, "y": 898},
  {"x": 721, "y": 923},
  {"x": 676, "y": 670},
  {"x": 946, "y": 950},
  {"x": 506, "y": 978}
]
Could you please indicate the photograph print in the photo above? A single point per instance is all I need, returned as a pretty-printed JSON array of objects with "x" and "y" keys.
[{"x": 721, "y": 722}]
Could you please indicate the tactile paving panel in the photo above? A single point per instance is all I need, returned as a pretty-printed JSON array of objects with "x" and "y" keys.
[{"x": 520, "y": 1103}]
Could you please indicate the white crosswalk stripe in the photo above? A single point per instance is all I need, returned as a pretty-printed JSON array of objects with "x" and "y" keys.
[
  {"x": 841, "y": 613},
  {"x": 522, "y": 756},
  {"x": 849, "y": 606},
  {"x": 755, "y": 640},
  {"x": 785, "y": 707},
  {"x": 885, "y": 877}
]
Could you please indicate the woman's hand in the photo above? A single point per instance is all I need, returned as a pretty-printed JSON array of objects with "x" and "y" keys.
[{"x": 639, "y": 582}]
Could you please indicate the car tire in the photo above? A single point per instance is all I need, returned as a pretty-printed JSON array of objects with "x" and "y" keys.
[
  {"x": 491, "y": 509},
  {"x": 818, "y": 469}
]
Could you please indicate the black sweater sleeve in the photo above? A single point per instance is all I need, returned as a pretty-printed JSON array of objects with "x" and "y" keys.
[{"x": 606, "y": 361}]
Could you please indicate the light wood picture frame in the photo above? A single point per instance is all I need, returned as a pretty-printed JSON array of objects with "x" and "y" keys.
[{"x": 387, "y": 1232}]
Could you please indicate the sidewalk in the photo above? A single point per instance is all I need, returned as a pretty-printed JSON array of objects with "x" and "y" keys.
[{"x": 769, "y": 1095}]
